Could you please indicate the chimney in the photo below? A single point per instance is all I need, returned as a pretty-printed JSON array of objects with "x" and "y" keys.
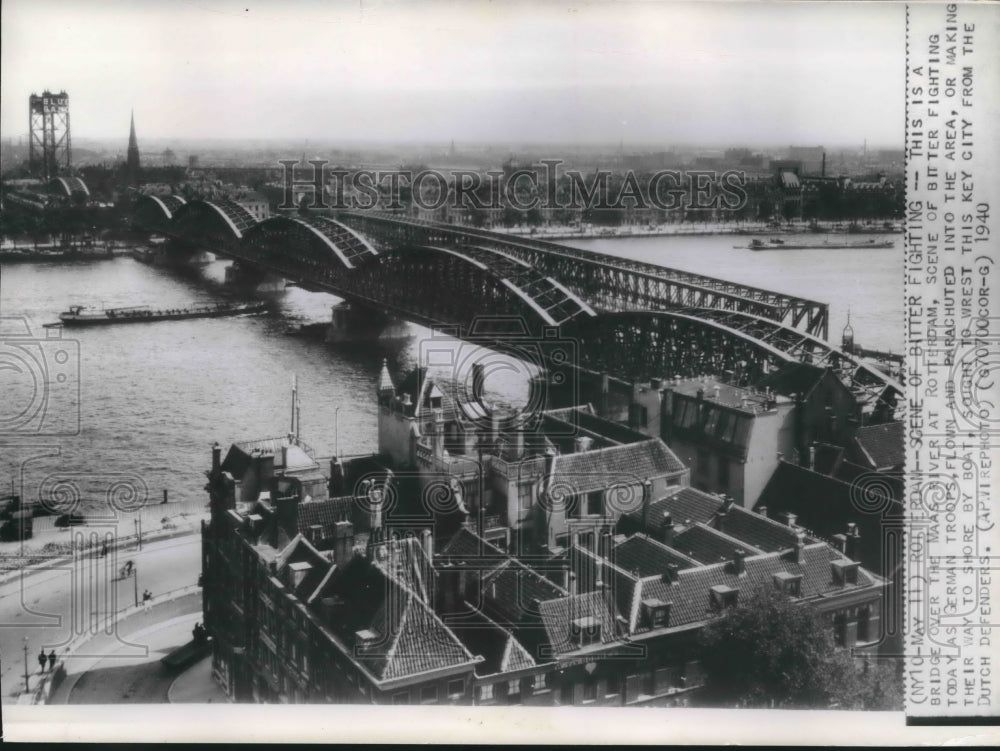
[
  {"x": 607, "y": 545},
  {"x": 852, "y": 543},
  {"x": 583, "y": 444},
  {"x": 762, "y": 510},
  {"x": 812, "y": 457},
  {"x": 739, "y": 558},
  {"x": 284, "y": 458},
  {"x": 343, "y": 542},
  {"x": 670, "y": 573},
  {"x": 437, "y": 438},
  {"x": 297, "y": 572},
  {"x": 716, "y": 391},
  {"x": 667, "y": 528},
  {"x": 800, "y": 547},
  {"x": 647, "y": 498},
  {"x": 216, "y": 459},
  {"x": 375, "y": 508},
  {"x": 655, "y": 384},
  {"x": 572, "y": 583},
  {"x": 427, "y": 542},
  {"x": 790, "y": 519}
]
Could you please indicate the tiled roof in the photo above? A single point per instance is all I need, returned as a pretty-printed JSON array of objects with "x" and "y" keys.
[
  {"x": 588, "y": 471},
  {"x": 409, "y": 637},
  {"x": 648, "y": 557},
  {"x": 512, "y": 591},
  {"x": 326, "y": 512},
  {"x": 882, "y": 444},
  {"x": 690, "y": 595},
  {"x": 467, "y": 545},
  {"x": 685, "y": 504},
  {"x": 558, "y": 615},
  {"x": 500, "y": 650},
  {"x": 760, "y": 532},
  {"x": 707, "y": 545}
]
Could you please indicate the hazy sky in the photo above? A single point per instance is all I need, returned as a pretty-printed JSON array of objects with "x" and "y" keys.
[{"x": 648, "y": 73}]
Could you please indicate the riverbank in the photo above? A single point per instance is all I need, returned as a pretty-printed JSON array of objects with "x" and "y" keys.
[{"x": 701, "y": 229}]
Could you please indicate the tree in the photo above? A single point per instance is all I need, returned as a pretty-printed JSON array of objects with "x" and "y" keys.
[{"x": 770, "y": 652}]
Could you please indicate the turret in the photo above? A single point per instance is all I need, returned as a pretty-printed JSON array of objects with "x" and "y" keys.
[{"x": 386, "y": 388}]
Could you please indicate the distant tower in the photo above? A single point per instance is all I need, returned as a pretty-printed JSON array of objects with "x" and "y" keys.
[
  {"x": 132, "y": 159},
  {"x": 48, "y": 134},
  {"x": 847, "y": 338}
]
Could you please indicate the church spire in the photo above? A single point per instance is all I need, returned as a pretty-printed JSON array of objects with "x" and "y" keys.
[
  {"x": 132, "y": 158},
  {"x": 386, "y": 388}
]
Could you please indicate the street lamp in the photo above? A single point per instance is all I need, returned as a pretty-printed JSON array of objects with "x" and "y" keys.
[{"x": 26, "y": 689}]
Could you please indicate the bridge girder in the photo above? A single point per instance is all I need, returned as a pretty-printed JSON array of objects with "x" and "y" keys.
[
  {"x": 213, "y": 223},
  {"x": 155, "y": 213},
  {"x": 608, "y": 282},
  {"x": 316, "y": 245}
]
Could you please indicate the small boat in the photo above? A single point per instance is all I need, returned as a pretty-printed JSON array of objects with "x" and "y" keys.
[
  {"x": 776, "y": 244},
  {"x": 78, "y": 315}
]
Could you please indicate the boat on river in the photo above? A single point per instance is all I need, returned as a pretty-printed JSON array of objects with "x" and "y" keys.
[
  {"x": 779, "y": 244},
  {"x": 78, "y": 315}
]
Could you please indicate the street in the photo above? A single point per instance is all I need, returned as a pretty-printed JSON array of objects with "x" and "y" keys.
[{"x": 54, "y": 606}]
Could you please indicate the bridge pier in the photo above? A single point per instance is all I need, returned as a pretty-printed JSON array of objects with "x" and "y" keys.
[
  {"x": 242, "y": 275},
  {"x": 351, "y": 323}
]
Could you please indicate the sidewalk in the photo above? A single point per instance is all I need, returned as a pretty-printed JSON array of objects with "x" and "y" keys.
[
  {"x": 125, "y": 667},
  {"x": 197, "y": 686},
  {"x": 50, "y": 545}
]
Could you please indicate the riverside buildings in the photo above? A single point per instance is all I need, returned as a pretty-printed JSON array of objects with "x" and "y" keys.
[{"x": 479, "y": 559}]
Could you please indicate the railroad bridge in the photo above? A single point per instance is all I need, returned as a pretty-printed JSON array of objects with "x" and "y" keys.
[{"x": 630, "y": 320}]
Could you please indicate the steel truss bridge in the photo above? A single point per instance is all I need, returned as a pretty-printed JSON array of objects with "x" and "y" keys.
[{"x": 631, "y": 320}]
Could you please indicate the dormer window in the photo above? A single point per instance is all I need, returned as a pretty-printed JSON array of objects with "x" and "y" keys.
[
  {"x": 723, "y": 596},
  {"x": 584, "y": 631},
  {"x": 365, "y": 639},
  {"x": 656, "y": 612},
  {"x": 845, "y": 571},
  {"x": 788, "y": 584}
]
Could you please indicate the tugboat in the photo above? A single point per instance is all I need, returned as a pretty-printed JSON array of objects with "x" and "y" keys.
[{"x": 78, "y": 315}]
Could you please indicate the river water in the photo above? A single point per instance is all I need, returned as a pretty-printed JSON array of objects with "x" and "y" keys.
[{"x": 154, "y": 397}]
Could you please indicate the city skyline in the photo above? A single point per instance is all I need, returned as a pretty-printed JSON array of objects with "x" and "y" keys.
[{"x": 646, "y": 75}]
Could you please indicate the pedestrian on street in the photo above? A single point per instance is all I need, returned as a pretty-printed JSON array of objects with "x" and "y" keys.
[
  {"x": 147, "y": 600},
  {"x": 52, "y": 660},
  {"x": 42, "y": 659}
]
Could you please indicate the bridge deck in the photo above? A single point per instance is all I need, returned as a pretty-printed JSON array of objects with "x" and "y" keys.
[{"x": 625, "y": 283}]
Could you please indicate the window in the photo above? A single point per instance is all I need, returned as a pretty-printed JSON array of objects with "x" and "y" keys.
[
  {"x": 428, "y": 694},
  {"x": 456, "y": 687},
  {"x": 840, "y": 630},
  {"x": 614, "y": 685},
  {"x": 541, "y": 682},
  {"x": 485, "y": 692},
  {"x": 590, "y": 690},
  {"x": 566, "y": 693},
  {"x": 403, "y": 697},
  {"x": 864, "y": 624}
]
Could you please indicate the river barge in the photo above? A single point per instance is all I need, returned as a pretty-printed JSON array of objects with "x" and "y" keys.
[{"x": 78, "y": 315}]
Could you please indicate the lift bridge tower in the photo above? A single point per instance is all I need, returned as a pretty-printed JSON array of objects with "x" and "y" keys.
[{"x": 48, "y": 134}]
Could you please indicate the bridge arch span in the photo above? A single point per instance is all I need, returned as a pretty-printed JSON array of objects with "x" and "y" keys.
[
  {"x": 211, "y": 222},
  {"x": 443, "y": 286},
  {"x": 68, "y": 186},
  {"x": 654, "y": 344},
  {"x": 155, "y": 213},
  {"x": 309, "y": 245}
]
